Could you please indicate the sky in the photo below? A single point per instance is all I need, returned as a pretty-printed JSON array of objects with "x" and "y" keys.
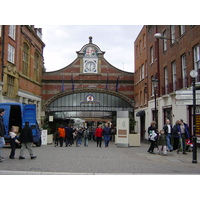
[{"x": 62, "y": 42}]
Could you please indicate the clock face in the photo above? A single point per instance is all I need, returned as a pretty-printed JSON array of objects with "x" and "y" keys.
[
  {"x": 193, "y": 73},
  {"x": 90, "y": 67}
]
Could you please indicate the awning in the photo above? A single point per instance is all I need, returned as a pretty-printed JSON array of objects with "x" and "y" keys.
[{"x": 140, "y": 113}]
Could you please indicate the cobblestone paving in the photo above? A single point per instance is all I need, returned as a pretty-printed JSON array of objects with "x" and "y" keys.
[{"x": 93, "y": 160}]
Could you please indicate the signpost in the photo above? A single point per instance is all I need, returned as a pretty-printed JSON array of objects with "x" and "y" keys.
[{"x": 185, "y": 97}]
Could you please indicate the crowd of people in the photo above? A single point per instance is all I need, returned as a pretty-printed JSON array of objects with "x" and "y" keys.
[
  {"x": 68, "y": 135},
  {"x": 170, "y": 138}
]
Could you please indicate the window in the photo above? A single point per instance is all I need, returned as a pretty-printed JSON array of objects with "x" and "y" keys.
[
  {"x": 11, "y": 53},
  {"x": 142, "y": 72},
  {"x": 174, "y": 75},
  {"x": 196, "y": 58},
  {"x": 151, "y": 55},
  {"x": 141, "y": 100},
  {"x": 140, "y": 46},
  {"x": 164, "y": 41},
  {"x": 25, "y": 59},
  {"x": 152, "y": 88},
  {"x": 184, "y": 70},
  {"x": 145, "y": 68},
  {"x": 182, "y": 29},
  {"x": 136, "y": 51},
  {"x": 36, "y": 67},
  {"x": 12, "y": 31},
  {"x": 144, "y": 41},
  {"x": 166, "y": 80},
  {"x": 10, "y": 85},
  {"x": 172, "y": 34}
]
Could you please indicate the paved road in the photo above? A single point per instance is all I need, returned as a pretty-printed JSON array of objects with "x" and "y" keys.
[{"x": 93, "y": 160}]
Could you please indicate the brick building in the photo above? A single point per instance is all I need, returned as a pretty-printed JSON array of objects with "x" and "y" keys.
[
  {"x": 21, "y": 64},
  {"x": 169, "y": 59},
  {"x": 90, "y": 88}
]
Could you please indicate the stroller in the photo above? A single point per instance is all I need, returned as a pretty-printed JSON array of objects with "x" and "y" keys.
[{"x": 189, "y": 145}]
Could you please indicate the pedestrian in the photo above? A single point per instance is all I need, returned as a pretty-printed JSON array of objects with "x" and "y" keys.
[
  {"x": 168, "y": 131},
  {"x": 13, "y": 142},
  {"x": 86, "y": 136},
  {"x": 106, "y": 134},
  {"x": 152, "y": 135},
  {"x": 68, "y": 136},
  {"x": 61, "y": 132},
  {"x": 79, "y": 136},
  {"x": 184, "y": 134},
  {"x": 74, "y": 135},
  {"x": 176, "y": 135},
  {"x": 98, "y": 135},
  {"x": 2, "y": 132},
  {"x": 162, "y": 143},
  {"x": 56, "y": 137},
  {"x": 26, "y": 140}
]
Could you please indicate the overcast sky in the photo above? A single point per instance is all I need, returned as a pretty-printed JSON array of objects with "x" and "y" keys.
[{"x": 62, "y": 42}]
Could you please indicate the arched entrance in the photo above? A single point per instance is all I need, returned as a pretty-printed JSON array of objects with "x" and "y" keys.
[{"x": 89, "y": 106}]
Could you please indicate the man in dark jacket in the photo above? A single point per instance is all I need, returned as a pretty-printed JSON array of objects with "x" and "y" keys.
[
  {"x": 106, "y": 134},
  {"x": 26, "y": 140},
  {"x": 2, "y": 132}
]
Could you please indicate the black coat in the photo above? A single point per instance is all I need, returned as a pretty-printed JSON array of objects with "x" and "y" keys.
[
  {"x": 26, "y": 135},
  {"x": 2, "y": 127},
  {"x": 165, "y": 128},
  {"x": 151, "y": 128}
]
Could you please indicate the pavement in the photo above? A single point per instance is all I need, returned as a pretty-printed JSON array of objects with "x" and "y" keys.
[{"x": 91, "y": 160}]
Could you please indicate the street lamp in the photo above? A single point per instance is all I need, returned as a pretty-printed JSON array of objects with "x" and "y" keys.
[
  {"x": 155, "y": 86},
  {"x": 160, "y": 36},
  {"x": 194, "y": 74}
]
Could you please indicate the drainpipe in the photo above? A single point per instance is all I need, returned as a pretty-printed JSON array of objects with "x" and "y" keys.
[
  {"x": 158, "y": 62},
  {"x": 3, "y": 37}
]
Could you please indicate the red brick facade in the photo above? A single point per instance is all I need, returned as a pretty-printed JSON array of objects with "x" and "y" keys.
[
  {"x": 26, "y": 78},
  {"x": 105, "y": 80}
]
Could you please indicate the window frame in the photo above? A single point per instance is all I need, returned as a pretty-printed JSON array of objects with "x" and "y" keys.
[
  {"x": 11, "y": 53},
  {"x": 12, "y": 31}
]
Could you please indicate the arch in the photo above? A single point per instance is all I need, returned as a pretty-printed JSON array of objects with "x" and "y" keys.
[
  {"x": 90, "y": 45},
  {"x": 89, "y": 90}
]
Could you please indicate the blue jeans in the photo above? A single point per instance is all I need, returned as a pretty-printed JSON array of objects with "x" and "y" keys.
[
  {"x": 79, "y": 141},
  {"x": 2, "y": 143},
  {"x": 168, "y": 137},
  {"x": 86, "y": 142},
  {"x": 106, "y": 140}
]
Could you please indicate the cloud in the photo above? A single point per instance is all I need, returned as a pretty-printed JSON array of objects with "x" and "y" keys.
[{"x": 63, "y": 41}]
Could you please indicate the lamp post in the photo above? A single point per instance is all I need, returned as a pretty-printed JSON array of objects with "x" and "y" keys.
[
  {"x": 155, "y": 86},
  {"x": 160, "y": 36},
  {"x": 194, "y": 74}
]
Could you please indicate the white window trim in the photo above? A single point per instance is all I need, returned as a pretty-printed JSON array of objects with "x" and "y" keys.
[
  {"x": 12, "y": 29},
  {"x": 11, "y": 53}
]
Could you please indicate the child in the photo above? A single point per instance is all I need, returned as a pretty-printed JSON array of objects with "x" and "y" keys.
[
  {"x": 13, "y": 141},
  {"x": 162, "y": 143}
]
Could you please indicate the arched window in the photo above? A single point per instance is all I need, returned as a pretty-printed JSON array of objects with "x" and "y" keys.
[
  {"x": 25, "y": 65},
  {"x": 36, "y": 67}
]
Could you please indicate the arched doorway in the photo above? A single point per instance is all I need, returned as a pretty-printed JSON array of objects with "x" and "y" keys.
[{"x": 90, "y": 107}]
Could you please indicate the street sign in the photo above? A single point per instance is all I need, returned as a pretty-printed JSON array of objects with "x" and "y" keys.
[
  {"x": 186, "y": 92},
  {"x": 189, "y": 97},
  {"x": 186, "y": 102}
]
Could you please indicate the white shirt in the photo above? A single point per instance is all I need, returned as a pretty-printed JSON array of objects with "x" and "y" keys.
[{"x": 169, "y": 128}]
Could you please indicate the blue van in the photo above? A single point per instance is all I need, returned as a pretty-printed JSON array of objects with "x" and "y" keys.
[{"x": 16, "y": 114}]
